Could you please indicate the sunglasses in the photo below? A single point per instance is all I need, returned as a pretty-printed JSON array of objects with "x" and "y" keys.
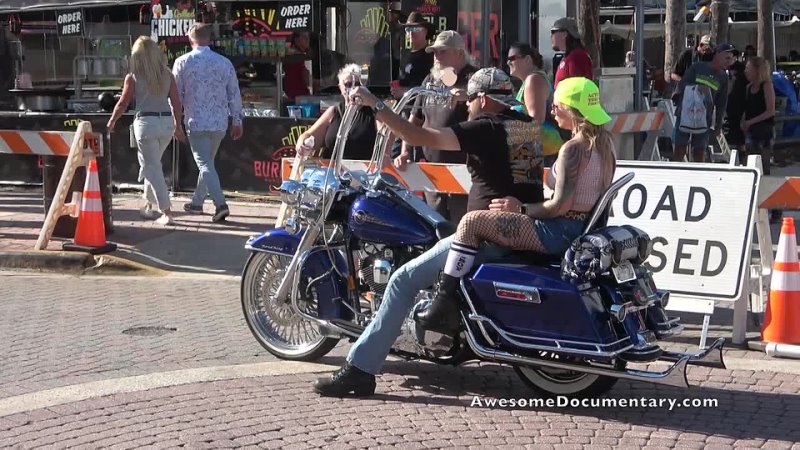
[
  {"x": 350, "y": 84},
  {"x": 513, "y": 58},
  {"x": 472, "y": 97},
  {"x": 414, "y": 29},
  {"x": 555, "y": 31}
]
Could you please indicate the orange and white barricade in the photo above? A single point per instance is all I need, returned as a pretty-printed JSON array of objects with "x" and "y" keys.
[
  {"x": 46, "y": 143},
  {"x": 656, "y": 123}
]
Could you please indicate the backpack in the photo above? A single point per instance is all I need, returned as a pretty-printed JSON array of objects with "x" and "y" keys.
[{"x": 693, "y": 110}]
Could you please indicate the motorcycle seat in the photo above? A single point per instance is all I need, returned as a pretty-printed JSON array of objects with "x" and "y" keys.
[
  {"x": 527, "y": 257},
  {"x": 444, "y": 229}
]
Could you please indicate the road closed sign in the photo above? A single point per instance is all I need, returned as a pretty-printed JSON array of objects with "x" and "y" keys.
[{"x": 700, "y": 220}]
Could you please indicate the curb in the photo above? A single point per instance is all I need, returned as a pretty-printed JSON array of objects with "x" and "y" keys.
[{"x": 77, "y": 263}]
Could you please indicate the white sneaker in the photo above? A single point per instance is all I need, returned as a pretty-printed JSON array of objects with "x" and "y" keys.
[
  {"x": 164, "y": 220},
  {"x": 147, "y": 212}
]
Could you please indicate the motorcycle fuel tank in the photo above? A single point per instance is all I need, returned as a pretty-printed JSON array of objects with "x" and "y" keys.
[{"x": 385, "y": 220}]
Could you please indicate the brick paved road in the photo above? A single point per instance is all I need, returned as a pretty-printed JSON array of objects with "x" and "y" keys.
[{"x": 61, "y": 331}]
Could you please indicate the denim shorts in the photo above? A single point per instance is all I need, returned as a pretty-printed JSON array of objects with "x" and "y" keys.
[
  {"x": 699, "y": 140},
  {"x": 556, "y": 235}
]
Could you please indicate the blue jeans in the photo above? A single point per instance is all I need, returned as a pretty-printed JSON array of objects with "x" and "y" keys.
[
  {"x": 204, "y": 148},
  {"x": 370, "y": 350},
  {"x": 153, "y": 135}
]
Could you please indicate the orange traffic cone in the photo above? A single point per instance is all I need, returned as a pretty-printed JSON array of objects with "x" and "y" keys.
[
  {"x": 90, "y": 234},
  {"x": 782, "y": 318}
]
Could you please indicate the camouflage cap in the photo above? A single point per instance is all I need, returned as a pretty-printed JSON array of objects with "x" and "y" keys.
[{"x": 493, "y": 83}]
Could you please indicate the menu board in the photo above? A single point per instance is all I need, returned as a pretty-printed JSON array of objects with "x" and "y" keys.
[
  {"x": 69, "y": 23},
  {"x": 171, "y": 20}
]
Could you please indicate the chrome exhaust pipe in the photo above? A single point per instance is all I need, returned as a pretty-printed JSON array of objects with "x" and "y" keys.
[
  {"x": 710, "y": 357},
  {"x": 674, "y": 376}
]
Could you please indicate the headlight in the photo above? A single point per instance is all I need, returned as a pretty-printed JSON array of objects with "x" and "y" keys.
[{"x": 290, "y": 192}]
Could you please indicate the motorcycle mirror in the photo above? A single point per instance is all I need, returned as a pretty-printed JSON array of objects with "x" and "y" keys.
[{"x": 449, "y": 77}]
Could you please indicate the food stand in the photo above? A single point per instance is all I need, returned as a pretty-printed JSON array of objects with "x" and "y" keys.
[{"x": 71, "y": 57}]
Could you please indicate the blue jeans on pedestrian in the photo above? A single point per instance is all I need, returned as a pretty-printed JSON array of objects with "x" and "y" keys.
[
  {"x": 204, "y": 148},
  {"x": 370, "y": 350}
]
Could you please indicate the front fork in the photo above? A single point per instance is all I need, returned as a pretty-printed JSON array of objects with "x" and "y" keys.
[{"x": 309, "y": 238}]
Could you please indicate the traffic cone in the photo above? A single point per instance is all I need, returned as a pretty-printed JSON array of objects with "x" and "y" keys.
[
  {"x": 782, "y": 318},
  {"x": 90, "y": 234}
]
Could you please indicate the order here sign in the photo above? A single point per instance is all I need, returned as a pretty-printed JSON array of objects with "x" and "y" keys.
[{"x": 700, "y": 220}]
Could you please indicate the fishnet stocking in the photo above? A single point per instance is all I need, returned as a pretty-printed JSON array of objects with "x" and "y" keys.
[{"x": 508, "y": 229}]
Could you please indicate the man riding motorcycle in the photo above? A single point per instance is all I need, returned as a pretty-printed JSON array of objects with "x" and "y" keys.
[{"x": 502, "y": 162}]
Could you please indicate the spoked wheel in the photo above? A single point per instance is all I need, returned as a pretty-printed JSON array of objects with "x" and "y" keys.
[
  {"x": 551, "y": 382},
  {"x": 276, "y": 326}
]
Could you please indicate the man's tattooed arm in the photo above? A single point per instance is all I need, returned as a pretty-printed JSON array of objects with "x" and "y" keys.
[{"x": 567, "y": 169}]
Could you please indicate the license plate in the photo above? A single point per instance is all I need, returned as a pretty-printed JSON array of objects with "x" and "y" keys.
[{"x": 624, "y": 272}]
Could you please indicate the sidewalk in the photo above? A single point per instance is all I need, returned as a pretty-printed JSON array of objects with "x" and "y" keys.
[{"x": 194, "y": 244}]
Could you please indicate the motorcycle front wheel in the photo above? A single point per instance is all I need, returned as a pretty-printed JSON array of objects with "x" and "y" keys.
[{"x": 273, "y": 322}]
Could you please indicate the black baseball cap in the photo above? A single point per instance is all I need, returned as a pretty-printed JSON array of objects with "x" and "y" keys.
[{"x": 721, "y": 48}]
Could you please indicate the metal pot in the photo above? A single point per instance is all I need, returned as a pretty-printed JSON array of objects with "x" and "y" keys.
[
  {"x": 112, "y": 67},
  {"x": 41, "y": 102},
  {"x": 98, "y": 67},
  {"x": 82, "y": 67}
]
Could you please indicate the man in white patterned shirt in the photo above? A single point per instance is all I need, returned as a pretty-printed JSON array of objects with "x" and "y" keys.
[{"x": 209, "y": 92}]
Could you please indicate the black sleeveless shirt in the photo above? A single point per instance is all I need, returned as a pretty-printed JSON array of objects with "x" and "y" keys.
[
  {"x": 754, "y": 105},
  {"x": 362, "y": 135}
]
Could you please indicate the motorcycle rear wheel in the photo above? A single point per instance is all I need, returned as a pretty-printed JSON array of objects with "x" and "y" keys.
[
  {"x": 275, "y": 325},
  {"x": 549, "y": 382}
]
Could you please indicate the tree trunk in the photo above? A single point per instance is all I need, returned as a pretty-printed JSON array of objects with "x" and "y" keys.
[
  {"x": 766, "y": 45},
  {"x": 720, "y": 11},
  {"x": 675, "y": 35},
  {"x": 589, "y": 27}
]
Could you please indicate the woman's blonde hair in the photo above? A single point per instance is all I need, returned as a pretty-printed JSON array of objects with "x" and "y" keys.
[
  {"x": 599, "y": 139},
  {"x": 349, "y": 70},
  {"x": 149, "y": 65},
  {"x": 762, "y": 69}
]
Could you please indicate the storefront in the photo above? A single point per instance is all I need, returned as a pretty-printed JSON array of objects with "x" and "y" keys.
[{"x": 65, "y": 55}]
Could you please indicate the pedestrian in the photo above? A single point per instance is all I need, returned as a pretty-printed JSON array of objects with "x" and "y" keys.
[
  {"x": 157, "y": 119},
  {"x": 360, "y": 139},
  {"x": 704, "y": 51},
  {"x": 703, "y": 98},
  {"x": 576, "y": 62},
  {"x": 496, "y": 139},
  {"x": 418, "y": 63},
  {"x": 209, "y": 92},
  {"x": 296, "y": 77},
  {"x": 449, "y": 51},
  {"x": 759, "y": 112},
  {"x": 536, "y": 96}
]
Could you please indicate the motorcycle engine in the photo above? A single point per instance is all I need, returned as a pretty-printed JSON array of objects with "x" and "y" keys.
[{"x": 377, "y": 262}]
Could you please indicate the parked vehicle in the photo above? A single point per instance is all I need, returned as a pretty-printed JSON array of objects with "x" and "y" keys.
[{"x": 567, "y": 328}]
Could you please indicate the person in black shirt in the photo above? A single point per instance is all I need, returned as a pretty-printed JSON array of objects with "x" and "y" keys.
[
  {"x": 360, "y": 141},
  {"x": 449, "y": 52},
  {"x": 417, "y": 64},
  {"x": 703, "y": 52},
  {"x": 499, "y": 142}
]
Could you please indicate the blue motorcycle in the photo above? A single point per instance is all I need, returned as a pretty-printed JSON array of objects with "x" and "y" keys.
[{"x": 567, "y": 325}]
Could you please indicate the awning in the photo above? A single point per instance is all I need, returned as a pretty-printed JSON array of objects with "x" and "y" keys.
[
  {"x": 655, "y": 30},
  {"x": 8, "y": 6},
  {"x": 785, "y": 7}
]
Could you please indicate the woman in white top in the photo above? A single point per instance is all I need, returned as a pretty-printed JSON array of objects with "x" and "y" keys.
[{"x": 158, "y": 119}]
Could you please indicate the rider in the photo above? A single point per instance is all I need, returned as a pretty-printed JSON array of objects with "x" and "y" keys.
[
  {"x": 583, "y": 171},
  {"x": 499, "y": 144}
]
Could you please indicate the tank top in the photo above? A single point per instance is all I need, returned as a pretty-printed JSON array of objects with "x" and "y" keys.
[
  {"x": 147, "y": 101},
  {"x": 590, "y": 184},
  {"x": 361, "y": 139},
  {"x": 551, "y": 141},
  {"x": 754, "y": 105}
]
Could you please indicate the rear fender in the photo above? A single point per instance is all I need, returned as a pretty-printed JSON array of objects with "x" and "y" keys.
[{"x": 331, "y": 289}]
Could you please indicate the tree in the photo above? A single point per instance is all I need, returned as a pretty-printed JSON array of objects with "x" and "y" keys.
[
  {"x": 766, "y": 24},
  {"x": 589, "y": 27},
  {"x": 675, "y": 34},
  {"x": 720, "y": 11}
]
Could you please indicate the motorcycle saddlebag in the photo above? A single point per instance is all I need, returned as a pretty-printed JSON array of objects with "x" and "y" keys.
[{"x": 593, "y": 254}]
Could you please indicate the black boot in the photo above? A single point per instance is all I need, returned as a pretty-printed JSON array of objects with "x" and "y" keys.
[
  {"x": 349, "y": 380},
  {"x": 442, "y": 315}
]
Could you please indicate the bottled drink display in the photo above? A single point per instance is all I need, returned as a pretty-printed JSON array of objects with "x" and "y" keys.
[{"x": 250, "y": 47}]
